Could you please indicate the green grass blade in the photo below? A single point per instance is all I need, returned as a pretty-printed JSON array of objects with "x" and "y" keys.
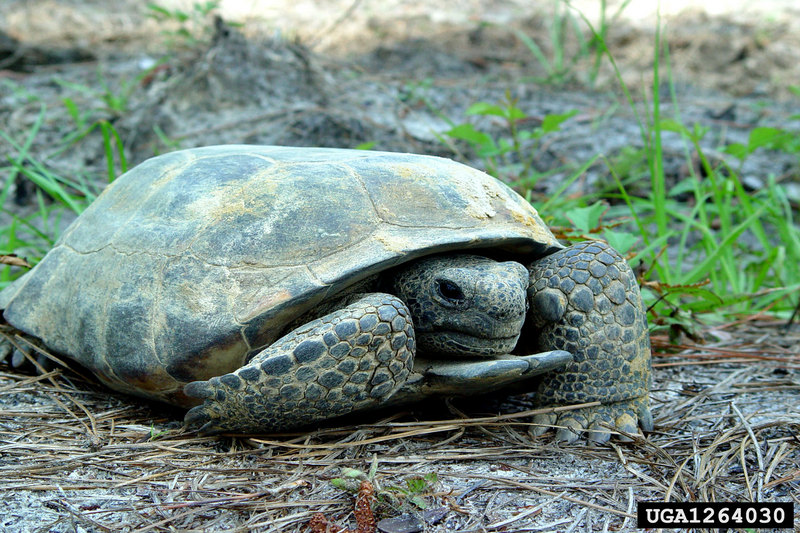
[
  {"x": 534, "y": 49},
  {"x": 724, "y": 246}
]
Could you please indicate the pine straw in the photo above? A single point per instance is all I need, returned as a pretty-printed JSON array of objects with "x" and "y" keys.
[{"x": 74, "y": 457}]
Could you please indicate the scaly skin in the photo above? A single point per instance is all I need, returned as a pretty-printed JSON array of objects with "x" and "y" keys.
[
  {"x": 585, "y": 300},
  {"x": 350, "y": 359}
]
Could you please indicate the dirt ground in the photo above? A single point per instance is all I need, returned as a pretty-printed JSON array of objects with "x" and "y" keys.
[{"x": 75, "y": 457}]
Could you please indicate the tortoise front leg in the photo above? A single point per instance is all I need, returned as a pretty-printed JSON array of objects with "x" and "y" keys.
[
  {"x": 585, "y": 300},
  {"x": 351, "y": 359}
]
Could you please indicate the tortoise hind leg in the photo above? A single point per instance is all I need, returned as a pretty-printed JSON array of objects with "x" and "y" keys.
[
  {"x": 27, "y": 355},
  {"x": 350, "y": 359},
  {"x": 585, "y": 300}
]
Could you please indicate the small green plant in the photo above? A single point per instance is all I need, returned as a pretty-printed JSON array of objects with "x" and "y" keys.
[
  {"x": 588, "y": 223},
  {"x": 193, "y": 27},
  {"x": 107, "y": 104},
  {"x": 58, "y": 188},
  {"x": 415, "y": 93},
  {"x": 558, "y": 67},
  {"x": 415, "y": 492},
  {"x": 169, "y": 144},
  {"x": 155, "y": 434},
  {"x": 511, "y": 155},
  {"x": 768, "y": 138},
  {"x": 599, "y": 35},
  {"x": 369, "y": 145},
  {"x": 417, "y": 489}
]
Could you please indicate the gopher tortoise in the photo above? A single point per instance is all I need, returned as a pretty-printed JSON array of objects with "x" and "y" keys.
[{"x": 272, "y": 287}]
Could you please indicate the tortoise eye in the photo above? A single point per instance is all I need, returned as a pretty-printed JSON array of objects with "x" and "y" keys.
[{"x": 449, "y": 290}]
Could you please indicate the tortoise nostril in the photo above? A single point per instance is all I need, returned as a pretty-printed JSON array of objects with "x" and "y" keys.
[{"x": 449, "y": 290}]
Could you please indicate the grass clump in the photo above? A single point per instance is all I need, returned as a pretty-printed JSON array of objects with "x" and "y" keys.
[
  {"x": 740, "y": 246},
  {"x": 567, "y": 48},
  {"x": 716, "y": 252},
  {"x": 93, "y": 111},
  {"x": 705, "y": 244},
  {"x": 57, "y": 199}
]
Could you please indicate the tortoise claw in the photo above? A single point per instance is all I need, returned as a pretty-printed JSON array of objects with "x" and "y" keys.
[
  {"x": 598, "y": 434},
  {"x": 626, "y": 424},
  {"x": 569, "y": 432},
  {"x": 542, "y": 423},
  {"x": 26, "y": 359},
  {"x": 5, "y": 350},
  {"x": 203, "y": 416},
  {"x": 645, "y": 417},
  {"x": 209, "y": 428},
  {"x": 199, "y": 389},
  {"x": 196, "y": 415},
  {"x": 597, "y": 422},
  {"x": 17, "y": 359}
]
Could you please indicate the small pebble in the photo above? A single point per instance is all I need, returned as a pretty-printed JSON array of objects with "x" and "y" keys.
[
  {"x": 434, "y": 516},
  {"x": 405, "y": 523}
]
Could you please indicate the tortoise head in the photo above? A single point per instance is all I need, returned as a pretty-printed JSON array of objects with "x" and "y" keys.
[{"x": 464, "y": 305}]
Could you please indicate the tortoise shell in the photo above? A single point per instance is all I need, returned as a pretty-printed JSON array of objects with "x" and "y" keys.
[{"x": 193, "y": 260}]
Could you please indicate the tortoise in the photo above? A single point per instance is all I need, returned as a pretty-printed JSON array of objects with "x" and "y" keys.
[{"x": 269, "y": 288}]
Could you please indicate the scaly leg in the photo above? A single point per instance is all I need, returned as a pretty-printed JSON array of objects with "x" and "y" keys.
[
  {"x": 350, "y": 359},
  {"x": 585, "y": 300}
]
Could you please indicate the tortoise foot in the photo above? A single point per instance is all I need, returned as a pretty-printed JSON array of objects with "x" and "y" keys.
[
  {"x": 351, "y": 359},
  {"x": 21, "y": 355},
  {"x": 598, "y": 423},
  {"x": 585, "y": 300}
]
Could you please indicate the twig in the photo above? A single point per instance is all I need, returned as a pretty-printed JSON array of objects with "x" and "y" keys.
[{"x": 759, "y": 458}]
